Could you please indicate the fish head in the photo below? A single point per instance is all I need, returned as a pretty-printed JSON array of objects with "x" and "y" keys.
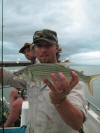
[{"x": 21, "y": 74}]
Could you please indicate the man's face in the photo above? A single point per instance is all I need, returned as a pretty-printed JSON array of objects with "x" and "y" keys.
[
  {"x": 46, "y": 52},
  {"x": 29, "y": 54}
]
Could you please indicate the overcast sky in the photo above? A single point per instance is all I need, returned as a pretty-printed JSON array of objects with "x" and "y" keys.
[{"x": 77, "y": 23}]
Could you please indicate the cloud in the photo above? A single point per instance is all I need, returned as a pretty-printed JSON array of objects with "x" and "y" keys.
[
  {"x": 76, "y": 22},
  {"x": 92, "y": 58}
]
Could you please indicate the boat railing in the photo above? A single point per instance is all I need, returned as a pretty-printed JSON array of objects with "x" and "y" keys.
[
  {"x": 14, "y": 63},
  {"x": 89, "y": 104}
]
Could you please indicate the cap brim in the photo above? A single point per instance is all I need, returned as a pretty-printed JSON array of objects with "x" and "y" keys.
[
  {"x": 23, "y": 48},
  {"x": 44, "y": 39}
]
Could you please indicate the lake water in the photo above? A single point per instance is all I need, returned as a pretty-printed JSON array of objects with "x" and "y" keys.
[{"x": 88, "y": 70}]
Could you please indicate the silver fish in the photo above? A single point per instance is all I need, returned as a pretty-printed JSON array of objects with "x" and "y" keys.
[{"x": 37, "y": 72}]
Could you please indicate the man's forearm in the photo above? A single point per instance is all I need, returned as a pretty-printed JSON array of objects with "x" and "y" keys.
[
  {"x": 70, "y": 114},
  {"x": 11, "y": 120}
]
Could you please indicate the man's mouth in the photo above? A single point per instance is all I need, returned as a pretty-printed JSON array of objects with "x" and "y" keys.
[{"x": 44, "y": 56}]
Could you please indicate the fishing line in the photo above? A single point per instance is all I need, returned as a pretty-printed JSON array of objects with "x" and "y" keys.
[{"x": 2, "y": 73}]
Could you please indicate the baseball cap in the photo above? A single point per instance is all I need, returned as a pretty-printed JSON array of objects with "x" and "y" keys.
[
  {"x": 26, "y": 45},
  {"x": 46, "y": 35}
]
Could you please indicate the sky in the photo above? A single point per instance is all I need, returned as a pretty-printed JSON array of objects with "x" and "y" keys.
[{"x": 77, "y": 23}]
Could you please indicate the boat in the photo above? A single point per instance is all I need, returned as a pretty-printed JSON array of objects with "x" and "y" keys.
[{"x": 91, "y": 125}]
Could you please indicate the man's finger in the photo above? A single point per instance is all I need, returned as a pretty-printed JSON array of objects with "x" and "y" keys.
[
  {"x": 55, "y": 80},
  {"x": 49, "y": 84},
  {"x": 63, "y": 80},
  {"x": 74, "y": 80}
]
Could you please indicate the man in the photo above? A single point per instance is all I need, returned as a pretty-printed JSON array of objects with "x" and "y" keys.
[
  {"x": 15, "y": 99},
  {"x": 60, "y": 106},
  {"x": 28, "y": 51}
]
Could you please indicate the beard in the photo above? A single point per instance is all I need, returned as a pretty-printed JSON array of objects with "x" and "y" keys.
[{"x": 48, "y": 61}]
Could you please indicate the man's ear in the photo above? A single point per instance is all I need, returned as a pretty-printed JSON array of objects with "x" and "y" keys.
[{"x": 57, "y": 48}]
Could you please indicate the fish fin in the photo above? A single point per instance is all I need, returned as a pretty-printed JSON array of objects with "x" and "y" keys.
[
  {"x": 93, "y": 77},
  {"x": 82, "y": 72},
  {"x": 66, "y": 60},
  {"x": 65, "y": 64},
  {"x": 90, "y": 88}
]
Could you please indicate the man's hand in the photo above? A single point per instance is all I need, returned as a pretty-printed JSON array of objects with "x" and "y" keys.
[{"x": 60, "y": 87}]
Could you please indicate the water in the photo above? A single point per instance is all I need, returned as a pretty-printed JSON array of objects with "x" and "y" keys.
[
  {"x": 88, "y": 70},
  {"x": 91, "y": 70},
  {"x": 7, "y": 89}
]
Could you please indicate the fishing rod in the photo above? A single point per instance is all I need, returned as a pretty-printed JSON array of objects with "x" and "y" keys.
[{"x": 2, "y": 73}]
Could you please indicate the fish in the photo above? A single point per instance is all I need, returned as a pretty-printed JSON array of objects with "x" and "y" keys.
[{"x": 37, "y": 72}]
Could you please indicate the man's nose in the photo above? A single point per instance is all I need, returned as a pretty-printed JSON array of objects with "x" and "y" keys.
[{"x": 43, "y": 49}]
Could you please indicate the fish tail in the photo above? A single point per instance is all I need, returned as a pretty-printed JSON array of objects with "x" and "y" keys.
[
  {"x": 90, "y": 90},
  {"x": 93, "y": 77}
]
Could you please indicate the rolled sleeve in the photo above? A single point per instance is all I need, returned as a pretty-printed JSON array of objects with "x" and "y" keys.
[{"x": 77, "y": 98}]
